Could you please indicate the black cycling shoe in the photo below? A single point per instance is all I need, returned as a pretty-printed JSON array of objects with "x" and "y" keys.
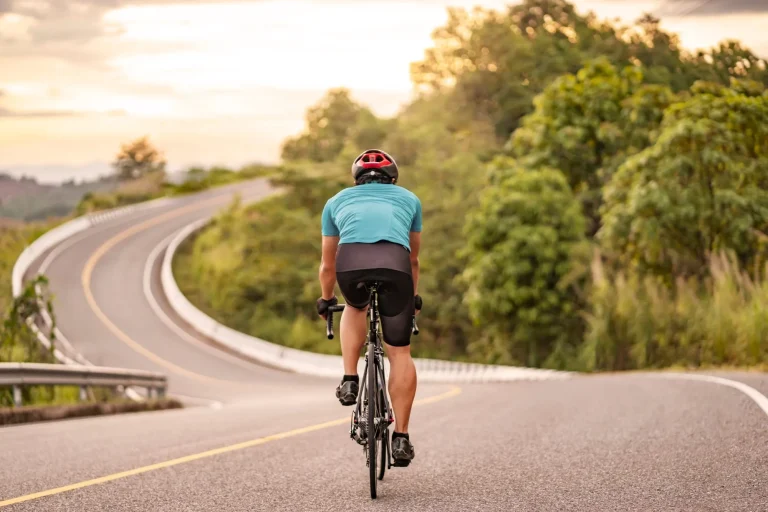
[
  {"x": 402, "y": 451},
  {"x": 347, "y": 392}
]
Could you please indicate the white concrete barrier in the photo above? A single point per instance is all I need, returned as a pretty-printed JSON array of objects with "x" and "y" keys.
[{"x": 323, "y": 365}]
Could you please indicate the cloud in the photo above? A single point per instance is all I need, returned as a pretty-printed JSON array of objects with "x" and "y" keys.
[
  {"x": 6, "y": 112},
  {"x": 685, "y": 8}
]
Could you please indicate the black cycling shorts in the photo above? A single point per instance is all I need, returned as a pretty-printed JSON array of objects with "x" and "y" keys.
[{"x": 389, "y": 264}]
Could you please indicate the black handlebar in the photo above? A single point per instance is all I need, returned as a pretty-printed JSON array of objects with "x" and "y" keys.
[
  {"x": 329, "y": 319},
  {"x": 340, "y": 307}
]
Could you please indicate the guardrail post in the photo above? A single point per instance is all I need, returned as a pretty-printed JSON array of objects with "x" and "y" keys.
[
  {"x": 161, "y": 392},
  {"x": 150, "y": 389},
  {"x": 83, "y": 393},
  {"x": 17, "y": 396}
]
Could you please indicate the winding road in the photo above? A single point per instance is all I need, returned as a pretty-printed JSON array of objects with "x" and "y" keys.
[{"x": 253, "y": 438}]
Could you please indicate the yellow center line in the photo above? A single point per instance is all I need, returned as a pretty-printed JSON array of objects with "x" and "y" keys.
[
  {"x": 203, "y": 455},
  {"x": 122, "y": 336}
]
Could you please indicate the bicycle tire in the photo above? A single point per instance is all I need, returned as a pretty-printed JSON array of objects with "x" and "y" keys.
[
  {"x": 384, "y": 450},
  {"x": 371, "y": 416}
]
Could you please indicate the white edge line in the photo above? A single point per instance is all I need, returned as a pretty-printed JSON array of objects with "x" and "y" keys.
[
  {"x": 147, "y": 285},
  {"x": 751, "y": 392}
]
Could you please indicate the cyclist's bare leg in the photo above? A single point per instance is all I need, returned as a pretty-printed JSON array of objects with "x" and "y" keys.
[
  {"x": 402, "y": 384},
  {"x": 353, "y": 327}
]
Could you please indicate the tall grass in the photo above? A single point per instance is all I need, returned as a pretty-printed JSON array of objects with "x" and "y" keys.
[{"x": 639, "y": 322}]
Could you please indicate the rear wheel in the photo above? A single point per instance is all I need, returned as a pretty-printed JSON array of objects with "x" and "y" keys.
[
  {"x": 371, "y": 417},
  {"x": 383, "y": 448}
]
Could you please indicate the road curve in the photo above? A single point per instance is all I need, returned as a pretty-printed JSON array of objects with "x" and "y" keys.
[{"x": 263, "y": 439}]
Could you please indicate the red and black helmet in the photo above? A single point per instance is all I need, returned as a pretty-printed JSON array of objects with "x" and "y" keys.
[{"x": 374, "y": 160}]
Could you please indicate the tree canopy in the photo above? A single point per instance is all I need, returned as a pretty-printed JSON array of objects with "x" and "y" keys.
[
  {"x": 701, "y": 188},
  {"x": 578, "y": 177},
  {"x": 523, "y": 242},
  {"x": 138, "y": 159},
  {"x": 333, "y": 123}
]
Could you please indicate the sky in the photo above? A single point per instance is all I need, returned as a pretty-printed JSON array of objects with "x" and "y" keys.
[{"x": 224, "y": 82}]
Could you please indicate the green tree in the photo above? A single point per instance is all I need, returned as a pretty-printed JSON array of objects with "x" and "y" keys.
[
  {"x": 138, "y": 159},
  {"x": 494, "y": 63},
  {"x": 448, "y": 188},
  {"x": 586, "y": 124},
  {"x": 701, "y": 188},
  {"x": 489, "y": 70},
  {"x": 525, "y": 244},
  {"x": 333, "y": 123},
  {"x": 427, "y": 132}
]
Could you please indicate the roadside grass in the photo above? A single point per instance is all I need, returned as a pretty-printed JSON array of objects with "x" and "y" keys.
[{"x": 52, "y": 412}]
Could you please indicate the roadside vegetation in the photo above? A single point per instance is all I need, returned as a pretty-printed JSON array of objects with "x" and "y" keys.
[{"x": 594, "y": 199}]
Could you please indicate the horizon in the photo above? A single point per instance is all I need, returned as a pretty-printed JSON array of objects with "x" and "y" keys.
[{"x": 210, "y": 87}]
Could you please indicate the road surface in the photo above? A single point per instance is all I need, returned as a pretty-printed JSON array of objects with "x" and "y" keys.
[{"x": 255, "y": 438}]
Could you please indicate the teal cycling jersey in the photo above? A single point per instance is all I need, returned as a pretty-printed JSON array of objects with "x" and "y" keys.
[{"x": 371, "y": 213}]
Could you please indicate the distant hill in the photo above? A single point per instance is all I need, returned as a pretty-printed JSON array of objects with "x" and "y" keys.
[{"x": 27, "y": 200}]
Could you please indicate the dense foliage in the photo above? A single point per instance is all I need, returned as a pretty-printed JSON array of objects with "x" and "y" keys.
[
  {"x": 593, "y": 199},
  {"x": 702, "y": 187},
  {"x": 525, "y": 241}
]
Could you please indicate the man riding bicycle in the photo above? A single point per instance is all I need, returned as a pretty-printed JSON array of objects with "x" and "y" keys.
[{"x": 372, "y": 232}]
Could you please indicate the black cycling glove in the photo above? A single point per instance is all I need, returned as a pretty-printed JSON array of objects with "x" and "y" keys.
[
  {"x": 417, "y": 302},
  {"x": 323, "y": 305}
]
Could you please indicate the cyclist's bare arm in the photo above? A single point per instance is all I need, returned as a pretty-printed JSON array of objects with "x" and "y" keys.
[
  {"x": 328, "y": 266},
  {"x": 415, "y": 242}
]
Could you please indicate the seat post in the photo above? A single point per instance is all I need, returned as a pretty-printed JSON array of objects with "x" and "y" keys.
[{"x": 373, "y": 311}]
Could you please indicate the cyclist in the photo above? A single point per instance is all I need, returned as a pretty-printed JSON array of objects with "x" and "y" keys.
[{"x": 372, "y": 231}]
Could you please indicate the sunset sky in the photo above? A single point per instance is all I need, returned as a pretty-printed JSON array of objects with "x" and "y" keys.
[{"x": 225, "y": 82}]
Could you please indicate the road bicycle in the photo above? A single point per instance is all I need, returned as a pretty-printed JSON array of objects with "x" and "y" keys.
[{"x": 373, "y": 414}]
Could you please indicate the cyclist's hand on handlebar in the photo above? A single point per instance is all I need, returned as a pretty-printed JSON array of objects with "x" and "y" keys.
[
  {"x": 323, "y": 305},
  {"x": 417, "y": 302}
]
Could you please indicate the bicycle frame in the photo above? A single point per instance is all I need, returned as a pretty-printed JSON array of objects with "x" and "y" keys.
[
  {"x": 383, "y": 418},
  {"x": 382, "y": 415}
]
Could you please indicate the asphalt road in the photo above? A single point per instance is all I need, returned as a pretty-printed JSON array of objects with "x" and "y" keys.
[{"x": 261, "y": 439}]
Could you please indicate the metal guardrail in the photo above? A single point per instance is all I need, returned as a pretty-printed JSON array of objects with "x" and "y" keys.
[{"x": 18, "y": 375}]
